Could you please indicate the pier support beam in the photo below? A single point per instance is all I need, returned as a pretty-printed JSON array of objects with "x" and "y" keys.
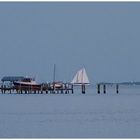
[
  {"x": 104, "y": 89},
  {"x": 117, "y": 88},
  {"x": 46, "y": 91},
  {"x": 98, "y": 88},
  {"x": 83, "y": 88},
  {"x": 72, "y": 89}
]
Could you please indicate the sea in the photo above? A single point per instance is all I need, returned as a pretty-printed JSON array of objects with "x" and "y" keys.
[{"x": 89, "y": 115}]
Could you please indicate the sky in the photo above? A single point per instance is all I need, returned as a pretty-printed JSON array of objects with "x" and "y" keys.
[{"x": 102, "y": 37}]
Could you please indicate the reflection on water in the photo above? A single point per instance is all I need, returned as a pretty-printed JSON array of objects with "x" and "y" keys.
[{"x": 77, "y": 115}]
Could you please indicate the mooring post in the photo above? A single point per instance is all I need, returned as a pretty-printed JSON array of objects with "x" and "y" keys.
[
  {"x": 117, "y": 88},
  {"x": 98, "y": 88},
  {"x": 104, "y": 88}
]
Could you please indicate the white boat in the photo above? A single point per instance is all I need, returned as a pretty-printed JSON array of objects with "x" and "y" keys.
[
  {"x": 81, "y": 78},
  {"x": 56, "y": 85}
]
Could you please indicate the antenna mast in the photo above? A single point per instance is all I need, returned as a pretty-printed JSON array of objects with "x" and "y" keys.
[{"x": 54, "y": 73}]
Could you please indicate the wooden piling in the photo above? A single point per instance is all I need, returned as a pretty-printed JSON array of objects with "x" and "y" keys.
[
  {"x": 46, "y": 91},
  {"x": 61, "y": 90},
  {"x": 104, "y": 88},
  {"x": 117, "y": 88},
  {"x": 98, "y": 88},
  {"x": 83, "y": 88},
  {"x": 41, "y": 91},
  {"x": 72, "y": 89}
]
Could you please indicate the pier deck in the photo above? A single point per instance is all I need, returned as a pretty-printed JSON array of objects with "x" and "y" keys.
[{"x": 45, "y": 88}]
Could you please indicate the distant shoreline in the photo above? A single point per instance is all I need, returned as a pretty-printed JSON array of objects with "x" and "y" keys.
[{"x": 121, "y": 83}]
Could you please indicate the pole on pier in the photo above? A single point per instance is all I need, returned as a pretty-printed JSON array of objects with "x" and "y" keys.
[
  {"x": 117, "y": 88},
  {"x": 104, "y": 88},
  {"x": 98, "y": 88}
]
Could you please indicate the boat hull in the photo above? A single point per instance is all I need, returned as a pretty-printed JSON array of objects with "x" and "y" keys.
[{"x": 24, "y": 86}]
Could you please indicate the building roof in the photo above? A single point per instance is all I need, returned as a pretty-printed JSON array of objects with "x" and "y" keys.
[{"x": 12, "y": 78}]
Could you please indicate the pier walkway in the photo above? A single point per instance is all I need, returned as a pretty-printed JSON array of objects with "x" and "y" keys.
[{"x": 45, "y": 88}]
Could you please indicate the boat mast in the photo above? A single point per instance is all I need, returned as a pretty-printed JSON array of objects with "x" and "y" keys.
[
  {"x": 54, "y": 76},
  {"x": 54, "y": 73}
]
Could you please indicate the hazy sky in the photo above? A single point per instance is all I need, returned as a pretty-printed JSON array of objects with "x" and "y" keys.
[{"x": 102, "y": 37}]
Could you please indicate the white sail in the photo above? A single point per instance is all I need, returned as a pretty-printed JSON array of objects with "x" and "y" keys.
[{"x": 81, "y": 77}]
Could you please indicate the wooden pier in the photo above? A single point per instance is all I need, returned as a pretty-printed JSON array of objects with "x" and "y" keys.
[
  {"x": 45, "y": 88},
  {"x": 103, "y": 85}
]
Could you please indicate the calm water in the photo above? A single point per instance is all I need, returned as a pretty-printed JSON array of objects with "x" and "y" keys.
[{"x": 91, "y": 115}]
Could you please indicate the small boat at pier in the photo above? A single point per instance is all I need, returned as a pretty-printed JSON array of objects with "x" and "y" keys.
[
  {"x": 27, "y": 83},
  {"x": 57, "y": 85}
]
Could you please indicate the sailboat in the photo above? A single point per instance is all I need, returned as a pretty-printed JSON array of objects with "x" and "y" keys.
[
  {"x": 56, "y": 84},
  {"x": 81, "y": 78}
]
